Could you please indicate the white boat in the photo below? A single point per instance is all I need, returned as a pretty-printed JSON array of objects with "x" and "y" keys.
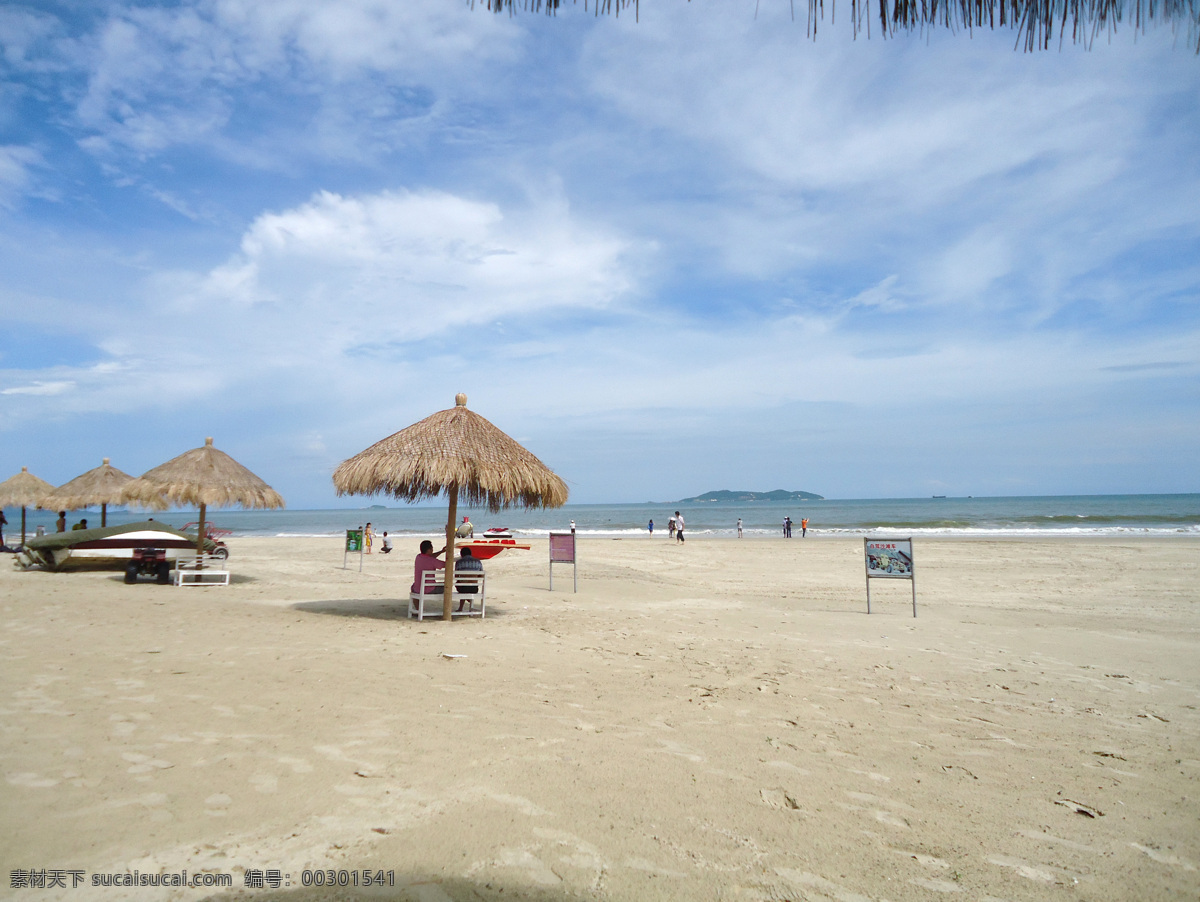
[{"x": 107, "y": 548}]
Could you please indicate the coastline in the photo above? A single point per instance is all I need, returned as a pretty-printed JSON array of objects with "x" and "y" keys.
[{"x": 699, "y": 720}]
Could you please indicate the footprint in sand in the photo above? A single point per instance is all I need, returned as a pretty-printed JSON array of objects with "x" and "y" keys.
[
  {"x": 1164, "y": 857},
  {"x": 298, "y": 765},
  {"x": 143, "y": 764},
  {"x": 215, "y": 804},
  {"x": 937, "y": 886},
  {"x": 1023, "y": 868},
  {"x": 779, "y": 798},
  {"x": 31, "y": 780}
]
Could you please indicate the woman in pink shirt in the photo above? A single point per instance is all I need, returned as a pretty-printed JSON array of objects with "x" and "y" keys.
[{"x": 427, "y": 560}]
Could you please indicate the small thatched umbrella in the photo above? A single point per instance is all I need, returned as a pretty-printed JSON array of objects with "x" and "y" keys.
[
  {"x": 204, "y": 477},
  {"x": 458, "y": 452},
  {"x": 25, "y": 490},
  {"x": 101, "y": 485}
]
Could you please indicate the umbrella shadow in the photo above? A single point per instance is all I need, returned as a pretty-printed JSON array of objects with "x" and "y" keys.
[
  {"x": 234, "y": 579},
  {"x": 372, "y": 609},
  {"x": 409, "y": 887}
]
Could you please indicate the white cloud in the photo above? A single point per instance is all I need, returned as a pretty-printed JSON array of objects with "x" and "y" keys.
[
  {"x": 401, "y": 266},
  {"x": 40, "y": 389},
  {"x": 16, "y": 177},
  {"x": 163, "y": 77}
]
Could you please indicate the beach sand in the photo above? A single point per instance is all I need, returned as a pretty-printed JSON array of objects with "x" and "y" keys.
[{"x": 718, "y": 720}]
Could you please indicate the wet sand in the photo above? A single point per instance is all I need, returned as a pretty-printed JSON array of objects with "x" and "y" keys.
[{"x": 715, "y": 720}]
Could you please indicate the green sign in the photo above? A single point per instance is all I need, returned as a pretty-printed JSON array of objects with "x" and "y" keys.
[{"x": 354, "y": 540}]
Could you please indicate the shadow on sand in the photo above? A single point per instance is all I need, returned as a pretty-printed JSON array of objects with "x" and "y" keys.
[
  {"x": 409, "y": 888},
  {"x": 372, "y": 608}
]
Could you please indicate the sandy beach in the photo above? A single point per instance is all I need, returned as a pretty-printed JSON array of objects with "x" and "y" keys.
[{"x": 718, "y": 720}]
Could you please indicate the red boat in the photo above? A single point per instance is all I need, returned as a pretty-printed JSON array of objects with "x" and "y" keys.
[{"x": 487, "y": 548}]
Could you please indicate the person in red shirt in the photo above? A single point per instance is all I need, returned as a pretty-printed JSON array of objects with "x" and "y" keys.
[{"x": 427, "y": 560}]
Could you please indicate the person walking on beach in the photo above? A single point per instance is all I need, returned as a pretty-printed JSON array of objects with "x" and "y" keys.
[
  {"x": 739, "y": 527},
  {"x": 803, "y": 527},
  {"x": 678, "y": 526},
  {"x": 369, "y": 537},
  {"x": 651, "y": 528},
  {"x": 671, "y": 528}
]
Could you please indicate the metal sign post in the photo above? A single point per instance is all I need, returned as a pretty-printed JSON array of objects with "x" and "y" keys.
[
  {"x": 354, "y": 542},
  {"x": 562, "y": 551},
  {"x": 889, "y": 559}
]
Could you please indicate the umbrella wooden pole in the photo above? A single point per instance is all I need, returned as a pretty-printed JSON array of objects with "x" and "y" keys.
[
  {"x": 200, "y": 532},
  {"x": 448, "y": 591},
  {"x": 103, "y": 514},
  {"x": 22, "y": 524}
]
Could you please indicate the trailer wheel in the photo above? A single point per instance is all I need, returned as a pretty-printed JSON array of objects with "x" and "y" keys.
[
  {"x": 221, "y": 552},
  {"x": 131, "y": 574},
  {"x": 162, "y": 573}
]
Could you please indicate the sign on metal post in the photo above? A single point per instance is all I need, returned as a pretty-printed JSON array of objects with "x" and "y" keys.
[
  {"x": 889, "y": 559},
  {"x": 562, "y": 551},
  {"x": 354, "y": 543}
]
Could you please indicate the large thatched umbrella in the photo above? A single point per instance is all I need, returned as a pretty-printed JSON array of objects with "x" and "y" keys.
[
  {"x": 204, "y": 477},
  {"x": 458, "y": 452},
  {"x": 1033, "y": 20},
  {"x": 102, "y": 485},
  {"x": 24, "y": 490}
]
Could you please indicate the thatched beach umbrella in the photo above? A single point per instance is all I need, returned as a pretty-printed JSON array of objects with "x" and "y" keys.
[
  {"x": 102, "y": 485},
  {"x": 204, "y": 477},
  {"x": 24, "y": 490},
  {"x": 1034, "y": 21},
  {"x": 458, "y": 452}
]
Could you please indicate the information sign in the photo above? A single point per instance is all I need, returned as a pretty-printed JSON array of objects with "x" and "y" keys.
[
  {"x": 562, "y": 551},
  {"x": 886, "y": 558}
]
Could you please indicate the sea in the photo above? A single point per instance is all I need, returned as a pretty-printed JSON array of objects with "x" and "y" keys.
[{"x": 1037, "y": 516}]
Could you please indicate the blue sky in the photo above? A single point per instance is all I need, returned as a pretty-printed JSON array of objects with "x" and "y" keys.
[{"x": 692, "y": 252}]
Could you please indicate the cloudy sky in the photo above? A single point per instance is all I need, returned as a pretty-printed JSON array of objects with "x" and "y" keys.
[{"x": 692, "y": 252}]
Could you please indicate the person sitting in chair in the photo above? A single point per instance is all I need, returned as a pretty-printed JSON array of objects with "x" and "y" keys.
[
  {"x": 467, "y": 563},
  {"x": 427, "y": 560}
]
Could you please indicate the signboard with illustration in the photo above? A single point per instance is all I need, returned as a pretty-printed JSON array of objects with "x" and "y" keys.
[
  {"x": 890, "y": 558},
  {"x": 354, "y": 545},
  {"x": 886, "y": 558}
]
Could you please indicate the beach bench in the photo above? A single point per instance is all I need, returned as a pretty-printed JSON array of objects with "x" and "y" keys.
[
  {"x": 200, "y": 570},
  {"x": 428, "y": 603}
]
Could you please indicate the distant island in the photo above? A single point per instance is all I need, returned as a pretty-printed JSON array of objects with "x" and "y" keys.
[{"x": 777, "y": 495}]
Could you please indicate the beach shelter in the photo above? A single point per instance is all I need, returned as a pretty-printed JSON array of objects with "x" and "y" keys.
[
  {"x": 458, "y": 452},
  {"x": 23, "y": 490},
  {"x": 102, "y": 485},
  {"x": 204, "y": 477}
]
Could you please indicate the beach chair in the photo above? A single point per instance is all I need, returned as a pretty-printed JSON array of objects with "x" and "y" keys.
[
  {"x": 427, "y": 601},
  {"x": 201, "y": 570}
]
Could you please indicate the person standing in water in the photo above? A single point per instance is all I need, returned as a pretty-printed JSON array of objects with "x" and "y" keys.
[
  {"x": 650, "y": 527},
  {"x": 739, "y": 527}
]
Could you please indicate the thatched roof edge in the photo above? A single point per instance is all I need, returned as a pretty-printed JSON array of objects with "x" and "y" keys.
[{"x": 1040, "y": 24}]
